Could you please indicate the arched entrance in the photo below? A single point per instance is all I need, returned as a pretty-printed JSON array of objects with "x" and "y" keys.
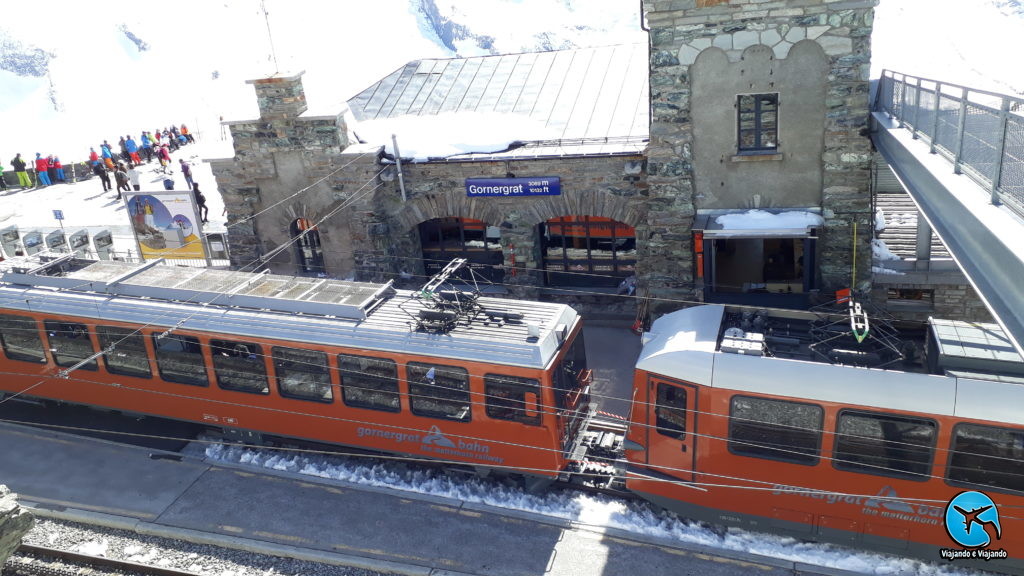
[
  {"x": 587, "y": 251},
  {"x": 310, "y": 253},
  {"x": 443, "y": 239}
]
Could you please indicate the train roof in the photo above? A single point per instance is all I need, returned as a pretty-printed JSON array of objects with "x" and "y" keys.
[
  {"x": 373, "y": 317},
  {"x": 976, "y": 376}
]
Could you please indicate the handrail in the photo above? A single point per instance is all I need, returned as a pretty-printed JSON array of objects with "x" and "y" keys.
[{"x": 980, "y": 132}]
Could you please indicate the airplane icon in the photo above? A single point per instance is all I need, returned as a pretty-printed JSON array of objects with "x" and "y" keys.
[{"x": 971, "y": 517}]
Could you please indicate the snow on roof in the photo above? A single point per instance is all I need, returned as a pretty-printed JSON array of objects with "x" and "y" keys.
[
  {"x": 485, "y": 103},
  {"x": 764, "y": 220}
]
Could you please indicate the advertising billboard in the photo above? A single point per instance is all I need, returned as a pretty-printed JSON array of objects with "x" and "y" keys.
[{"x": 166, "y": 224}]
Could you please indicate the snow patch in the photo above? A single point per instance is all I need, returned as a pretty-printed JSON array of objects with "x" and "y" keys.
[
  {"x": 880, "y": 250},
  {"x": 764, "y": 220}
]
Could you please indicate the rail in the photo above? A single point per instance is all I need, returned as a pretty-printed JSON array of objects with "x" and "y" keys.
[
  {"x": 17, "y": 565},
  {"x": 981, "y": 133}
]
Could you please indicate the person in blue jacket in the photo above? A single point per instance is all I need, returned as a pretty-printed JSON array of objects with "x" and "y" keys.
[
  {"x": 147, "y": 146},
  {"x": 133, "y": 149}
]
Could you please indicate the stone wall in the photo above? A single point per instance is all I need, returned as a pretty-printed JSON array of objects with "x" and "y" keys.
[
  {"x": 15, "y": 522},
  {"x": 385, "y": 228},
  {"x": 680, "y": 32},
  {"x": 276, "y": 155}
]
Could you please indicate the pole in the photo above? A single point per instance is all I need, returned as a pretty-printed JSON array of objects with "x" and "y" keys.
[
  {"x": 853, "y": 283},
  {"x": 398, "y": 162}
]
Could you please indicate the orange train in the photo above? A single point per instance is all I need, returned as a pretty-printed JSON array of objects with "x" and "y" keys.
[
  {"x": 785, "y": 423},
  {"x": 773, "y": 422}
]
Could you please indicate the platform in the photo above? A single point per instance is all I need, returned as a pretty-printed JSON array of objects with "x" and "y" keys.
[{"x": 151, "y": 492}]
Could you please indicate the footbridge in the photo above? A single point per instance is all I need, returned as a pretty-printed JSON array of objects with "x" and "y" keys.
[{"x": 959, "y": 153}]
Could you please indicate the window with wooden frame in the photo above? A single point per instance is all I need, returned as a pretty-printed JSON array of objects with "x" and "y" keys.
[{"x": 757, "y": 123}]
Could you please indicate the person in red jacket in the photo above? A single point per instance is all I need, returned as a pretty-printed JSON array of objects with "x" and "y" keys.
[
  {"x": 93, "y": 156},
  {"x": 42, "y": 164}
]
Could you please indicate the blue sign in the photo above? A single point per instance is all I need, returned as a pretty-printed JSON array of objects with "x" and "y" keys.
[
  {"x": 538, "y": 186},
  {"x": 58, "y": 214}
]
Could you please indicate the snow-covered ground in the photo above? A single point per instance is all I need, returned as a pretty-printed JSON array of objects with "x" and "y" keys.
[
  {"x": 85, "y": 206},
  {"x": 595, "y": 510}
]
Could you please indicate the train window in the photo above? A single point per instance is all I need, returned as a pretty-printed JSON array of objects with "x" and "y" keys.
[
  {"x": 369, "y": 383},
  {"x": 512, "y": 398},
  {"x": 180, "y": 359},
  {"x": 239, "y": 366},
  {"x": 303, "y": 374},
  {"x": 775, "y": 429},
  {"x": 573, "y": 364},
  {"x": 671, "y": 411},
  {"x": 439, "y": 391},
  {"x": 987, "y": 456},
  {"x": 124, "y": 351},
  {"x": 20, "y": 338},
  {"x": 70, "y": 343},
  {"x": 884, "y": 444}
]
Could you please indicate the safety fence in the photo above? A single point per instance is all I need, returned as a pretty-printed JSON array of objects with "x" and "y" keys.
[{"x": 980, "y": 132}]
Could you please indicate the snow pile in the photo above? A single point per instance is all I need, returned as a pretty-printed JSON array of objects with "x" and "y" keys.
[
  {"x": 449, "y": 133},
  {"x": 93, "y": 548},
  {"x": 879, "y": 220},
  {"x": 906, "y": 219},
  {"x": 880, "y": 251},
  {"x": 764, "y": 220},
  {"x": 594, "y": 510}
]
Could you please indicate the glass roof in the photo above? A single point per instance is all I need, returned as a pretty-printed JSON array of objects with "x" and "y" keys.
[{"x": 585, "y": 93}]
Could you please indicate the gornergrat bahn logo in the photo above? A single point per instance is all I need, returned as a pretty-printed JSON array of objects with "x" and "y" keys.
[{"x": 972, "y": 521}]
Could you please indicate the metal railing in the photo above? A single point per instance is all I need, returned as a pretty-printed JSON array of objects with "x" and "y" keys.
[{"x": 980, "y": 132}]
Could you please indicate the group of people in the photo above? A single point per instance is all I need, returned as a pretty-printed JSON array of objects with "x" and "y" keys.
[
  {"x": 49, "y": 171},
  {"x": 157, "y": 144},
  {"x": 124, "y": 165}
]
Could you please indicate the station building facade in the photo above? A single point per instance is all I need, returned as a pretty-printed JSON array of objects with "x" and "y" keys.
[{"x": 727, "y": 160}]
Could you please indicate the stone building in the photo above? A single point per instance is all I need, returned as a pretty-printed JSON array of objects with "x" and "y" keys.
[{"x": 727, "y": 161}]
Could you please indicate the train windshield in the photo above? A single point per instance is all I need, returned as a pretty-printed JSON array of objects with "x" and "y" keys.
[{"x": 571, "y": 371}]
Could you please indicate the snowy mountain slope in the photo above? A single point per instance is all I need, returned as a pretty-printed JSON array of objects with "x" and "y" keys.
[{"x": 91, "y": 75}]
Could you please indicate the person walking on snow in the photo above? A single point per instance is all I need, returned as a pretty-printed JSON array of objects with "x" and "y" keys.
[
  {"x": 100, "y": 169},
  {"x": 19, "y": 169},
  {"x": 186, "y": 172},
  {"x": 121, "y": 177},
  {"x": 133, "y": 176},
  {"x": 42, "y": 165},
  {"x": 3, "y": 184},
  {"x": 94, "y": 158},
  {"x": 201, "y": 202}
]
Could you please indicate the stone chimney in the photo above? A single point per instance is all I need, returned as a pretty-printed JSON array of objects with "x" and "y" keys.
[{"x": 280, "y": 96}]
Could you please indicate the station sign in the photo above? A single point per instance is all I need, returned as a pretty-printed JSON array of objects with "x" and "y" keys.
[{"x": 497, "y": 187}]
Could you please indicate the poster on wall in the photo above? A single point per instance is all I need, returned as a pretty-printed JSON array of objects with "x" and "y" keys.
[{"x": 166, "y": 224}]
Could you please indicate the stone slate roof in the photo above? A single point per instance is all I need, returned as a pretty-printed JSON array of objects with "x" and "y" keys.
[{"x": 589, "y": 96}]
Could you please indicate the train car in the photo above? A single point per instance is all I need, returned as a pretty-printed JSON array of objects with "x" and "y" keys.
[
  {"x": 496, "y": 384},
  {"x": 789, "y": 423}
]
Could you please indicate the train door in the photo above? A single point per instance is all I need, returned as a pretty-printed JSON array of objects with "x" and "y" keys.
[{"x": 672, "y": 441}]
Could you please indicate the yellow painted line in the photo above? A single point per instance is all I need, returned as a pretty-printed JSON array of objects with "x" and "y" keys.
[
  {"x": 383, "y": 553},
  {"x": 333, "y": 490},
  {"x": 699, "y": 555},
  {"x": 232, "y": 529},
  {"x": 285, "y": 537},
  {"x": 471, "y": 513},
  {"x": 442, "y": 508},
  {"x": 244, "y": 474},
  {"x": 79, "y": 506}
]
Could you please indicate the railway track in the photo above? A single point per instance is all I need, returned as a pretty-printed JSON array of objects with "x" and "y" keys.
[{"x": 31, "y": 560}]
